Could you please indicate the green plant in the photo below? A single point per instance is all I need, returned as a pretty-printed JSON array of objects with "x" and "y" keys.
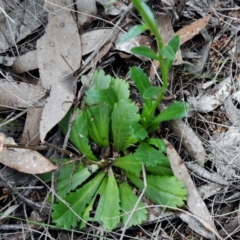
[{"x": 102, "y": 192}]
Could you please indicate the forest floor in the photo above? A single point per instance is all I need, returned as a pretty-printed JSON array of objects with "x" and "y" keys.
[{"x": 42, "y": 61}]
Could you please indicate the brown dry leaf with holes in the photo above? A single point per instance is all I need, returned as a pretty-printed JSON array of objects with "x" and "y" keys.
[
  {"x": 59, "y": 55},
  {"x": 194, "y": 201},
  {"x": 23, "y": 160}
]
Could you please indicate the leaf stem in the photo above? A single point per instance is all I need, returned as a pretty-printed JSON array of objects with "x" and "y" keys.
[{"x": 150, "y": 22}]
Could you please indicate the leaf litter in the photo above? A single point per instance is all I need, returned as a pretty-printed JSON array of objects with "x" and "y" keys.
[{"x": 61, "y": 51}]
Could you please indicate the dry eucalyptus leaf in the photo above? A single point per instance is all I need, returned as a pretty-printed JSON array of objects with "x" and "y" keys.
[
  {"x": 189, "y": 140},
  {"x": 104, "y": 50},
  {"x": 24, "y": 160},
  {"x": 224, "y": 153},
  {"x": 126, "y": 47},
  {"x": 7, "y": 61},
  {"x": 30, "y": 133},
  {"x": 209, "y": 101},
  {"x": 232, "y": 112},
  {"x": 188, "y": 32},
  {"x": 114, "y": 8},
  {"x": 194, "y": 201},
  {"x": 19, "y": 94},
  {"x": 90, "y": 40},
  {"x": 59, "y": 54},
  {"x": 196, "y": 225},
  {"x": 87, "y": 9},
  {"x": 26, "y": 62}
]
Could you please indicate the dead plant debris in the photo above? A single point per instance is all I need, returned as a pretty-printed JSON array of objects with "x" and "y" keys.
[{"x": 46, "y": 46}]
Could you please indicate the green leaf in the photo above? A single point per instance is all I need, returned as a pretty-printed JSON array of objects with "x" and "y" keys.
[
  {"x": 107, "y": 96},
  {"x": 100, "y": 204},
  {"x": 142, "y": 83},
  {"x": 128, "y": 163},
  {"x": 140, "y": 79},
  {"x": 133, "y": 32},
  {"x": 146, "y": 111},
  {"x": 152, "y": 92},
  {"x": 115, "y": 89},
  {"x": 79, "y": 133},
  {"x": 167, "y": 52},
  {"x": 101, "y": 201},
  {"x": 66, "y": 184},
  {"x": 98, "y": 124},
  {"x": 165, "y": 190},
  {"x": 138, "y": 131},
  {"x": 111, "y": 215},
  {"x": 123, "y": 116},
  {"x": 128, "y": 201},
  {"x": 145, "y": 52},
  {"x": 157, "y": 142},
  {"x": 147, "y": 15},
  {"x": 100, "y": 80},
  {"x": 121, "y": 89},
  {"x": 63, "y": 216},
  {"x": 174, "y": 43},
  {"x": 149, "y": 155},
  {"x": 160, "y": 170},
  {"x": 177, "y": 110}
]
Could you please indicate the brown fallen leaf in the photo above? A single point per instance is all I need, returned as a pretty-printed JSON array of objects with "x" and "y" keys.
[
  {"x": 188, "y": 32},
  {"x": 59, "y": 55},
  {"x": 30, "y": 133},
  {"x": 87, "y": 9},
  {"x": 189, "y": 140},
  {"x": 194, "y": 201},
  {"x": 23, "y": 160},
  {"x": 19, "y": 94},
  {"x": 25, "y": 62}
]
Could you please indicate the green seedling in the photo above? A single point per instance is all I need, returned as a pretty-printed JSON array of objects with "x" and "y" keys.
[{"x": 101, "y": 189}]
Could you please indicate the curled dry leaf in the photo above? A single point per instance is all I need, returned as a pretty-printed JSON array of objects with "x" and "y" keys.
[
  {"x": 59, "y": 54},
  {"x": 209, "y": 101},
  {"x": 194, "y": 201},
  {"x": 24, "y": 160},
  {"x": 26, "y": 62},
  {"x": 114, "y": 8},
  {"x": 232, "y": 111},
  {"x": 224, "y": 153}
]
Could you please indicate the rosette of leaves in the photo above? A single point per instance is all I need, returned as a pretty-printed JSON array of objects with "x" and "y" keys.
[
  {"x": 113, "y": 122},
  {"x": 113, "y": 135}
]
